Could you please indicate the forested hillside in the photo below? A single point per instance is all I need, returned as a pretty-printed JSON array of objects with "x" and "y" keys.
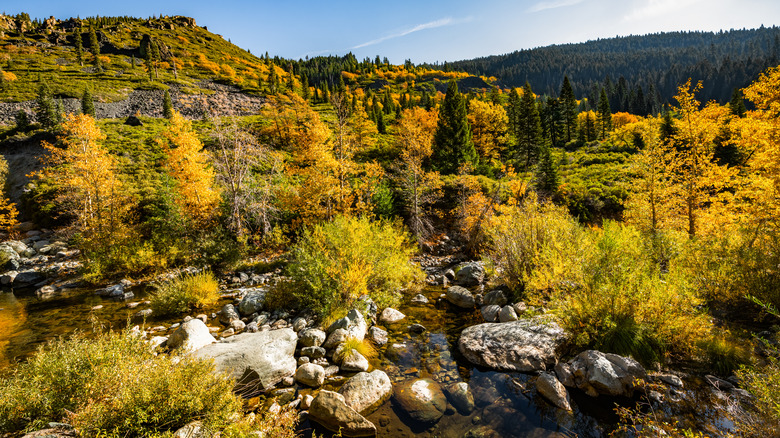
[{"x": 639, "y": 72}]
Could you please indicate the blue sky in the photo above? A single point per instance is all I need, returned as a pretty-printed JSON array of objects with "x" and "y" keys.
[{"x": 424, "y": 31}]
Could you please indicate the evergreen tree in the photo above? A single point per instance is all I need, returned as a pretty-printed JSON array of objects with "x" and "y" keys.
[
  {"x": 167, "y": 105},
  {"x": 387, "y": 102},
  {"x": 495, "y": 96},
  {"x": 380, "y": 120},
  {"x": 305, "y": 86},
  {"x": 59, "y": 113},
  {"x": 291, "y": 80},
  {"x": 354, "y": 105},
  {"x": 737, "y": 105},
  {"x": 273, "y": 80},
  {"x": 452, "y": 145},
  {"x": 604, "y": 114},
  {"x": 552, "y": 122},
  {"x": 546, "y": 172},
  {"x": 94, "y": 47},
  {"x": 325, "y": 93},
  {"x": 87, "y": 103},
  {"x": 79, "y": 46},
  {"x": 45, "y": 110},
  {"x": 513, "y": 106},
  {"x": 2, "y": 80},
  {"x": 668, "y": 130},
  {"x": 529, "y": 129},
  {"x": 568, "y": 109}
]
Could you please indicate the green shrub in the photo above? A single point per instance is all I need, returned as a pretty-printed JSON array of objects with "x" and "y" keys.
[
  {"x": 722, "y": 355},
  {"x": 336, "y": 262},
  {"x": 187, "y": 292},
  {"x": 114, "y": 385}
]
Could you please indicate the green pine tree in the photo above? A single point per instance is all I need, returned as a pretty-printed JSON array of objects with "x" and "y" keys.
[
  {"x": 305, "y": 86},
  {"x": 668, "y": 130},
  {"x": 452, "y": 145},
  {"x": 380, "y": 121},
  {"x": 45, "y": 110},
  {"x": 737, "y": 105},
  {"x": 273, "y": 80},
  {"x": 568, "y": 109},
  {"x": 528, "y": 129},
  {"x": 87, "y": 103},
  {"x": 291, "y": 80},
  {"x": 604, "y": 115},
  {"x": 546, "y": 172},
  {"x": 79, "y": 46},
  {"x": 94, "y": 47},
  {"x": 167, "y": 105}
]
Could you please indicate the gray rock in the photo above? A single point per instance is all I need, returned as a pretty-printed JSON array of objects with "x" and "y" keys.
[
  {"x": 460, "y": 397},
  {"x": 253, "y": 301},
  {"x": 46, "y": 292},
  {"x": 551, "y": 389},
  {"x": 524, "y": 345},
  {"x": 311, "y": 337},
  {"x": 496, "y": 297},
  {"x": 238, "y": 326},
  {"x": 669, "y": 379},
  {"x": 40, "y": 244},
  {"x": 337, "y": 337},
  {"x": 257, "y": 361},
  {"x": 143, "y": 313},
  {"x": 313, "y": 352},
  {"x": 364, "y": 392},
  {"x": 377, "y": 336},
  {"x": 460, "y": 297},
  {"x": 252, "y": 327},
  {"x": 28, "y": 278},
  {"x": 18, "y": 247},
  {"x": 470, "y": 274},
  {"x": 299, "y": 324},
  {"x": 520, "y": 308},
  {"x": 354, "y": 323},
  {"x": 599, "y": 373},
  {"x": 190, "y": 336},
  {"x": 422, "y": 399},
  {"x": 490, "y": 312},
  {"x": 310, "y": 374},
  {"x": 228, "y": 314},
  {"x": 354, "y": 362},
  {"x": 194, "y": 429},
  {"x": 419, "y": 299},
  {"x": 390, "y": 316},
  {"x": 507, "y": 314},
  {"x": 331, "y": 411},
  {"x": 417, "y": 329},
  {"x": 8, "y": 278}
]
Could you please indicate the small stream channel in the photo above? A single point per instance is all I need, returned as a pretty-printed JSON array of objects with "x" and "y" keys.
[{"x": 506, "y": 403}]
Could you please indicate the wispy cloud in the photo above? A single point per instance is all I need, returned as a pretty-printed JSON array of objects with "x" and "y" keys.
[
  {"x": 552, "y": 4},
  {"x": 655, "y": 8},
  {"x": 447, "y": 21}
]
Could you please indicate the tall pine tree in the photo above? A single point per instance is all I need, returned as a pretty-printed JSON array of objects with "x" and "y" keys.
[
  {"x": 87, "y": 103},
  {"x": 604, "y": 114},
  {"x": 79, "y": 46},
  {"x": 528, "y": 129},
  {"x": 452, "y": 145},
  {"x": 568, "y": 109}
]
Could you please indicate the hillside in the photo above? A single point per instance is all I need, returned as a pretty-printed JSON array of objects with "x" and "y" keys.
[{"x": 657, "y": 63}]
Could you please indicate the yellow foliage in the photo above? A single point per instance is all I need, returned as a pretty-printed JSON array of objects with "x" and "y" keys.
[
  {"x": 620, "y": 119},
  {"x": 105, "y": 60},
  {"x": 8, "y": 214},
  {"x": 9, "y": 76},
  {"x": 488, "y": 129},
  {"x": 188, "y": 165}
]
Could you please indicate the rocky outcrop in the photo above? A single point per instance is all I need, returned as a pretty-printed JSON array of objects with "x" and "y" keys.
[
  {"x": 599, "y": 373},
  {"x": 257, "y": 361},
  {"x": 422, "y": 399},
  {"x": 364, "y": 392},
  {"x": 524, "y": 345},
  {"x": 331, "y": 411}
]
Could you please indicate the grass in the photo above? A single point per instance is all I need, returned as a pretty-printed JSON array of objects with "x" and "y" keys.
[
  {"x": 364, "y": 347},
  {"x": 187, "y": 292},
  {"x": 114, "y": 385}
]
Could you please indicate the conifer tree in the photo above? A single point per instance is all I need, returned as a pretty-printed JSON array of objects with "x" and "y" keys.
[
  {"x": 167, "y": 105},
  {"x": 452, "y": 140},
  {"x": 546, "y": 173},
  {"x": 325, "y": 93},
  {"x": 79, "y": 46},
  {"x": 291, "y": 80},
  {"x": 45, "y": 111},
  {"x": 568, "y": 108},
  {"x": 737, "y": 105},
  {"x": 529, "y": 129},
  {"x": 87, "y": 103},
  {"x": 94, "y": 47},
  {"x": 305, "y": 86},
  {"x": 380, "y": 120},
  {"x": 512, "y": 108},
  {"x": 273, "y": 80},
  {"x": 604, "y": 114},
  {"x": 2, "y": 79}
]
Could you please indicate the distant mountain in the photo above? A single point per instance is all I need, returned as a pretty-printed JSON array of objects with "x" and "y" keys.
[{"x": 656, "y": 63}]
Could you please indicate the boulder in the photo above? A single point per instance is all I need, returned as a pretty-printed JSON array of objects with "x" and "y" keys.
[
  {"x": 460, "y": 397},
  {"x": 507, "y": 314},
  {"x": 253, "y": 301},
  {"x": 460, "y": 297},
  {"x": 377, "y": 336},
  {"x": 228, "y": 314},
  {"x": 599, "y": 373},
  {"x": 419, "y": 299},
  {"x": 496, "y": 297},
  {"x": 313, "y": 352},
  {"x": 470, "y": 274},
  {"x": 490, "y": 312},
  {"x": 525, "y": 345},
  {"x": 310, "y": 374},
  {"x": 353, "y": 361},
  {"x": 337, "y": 337},
  {"x": 551, "y": 389},
  {"x": 364, "y": 392},
  {"x": 354, "y": 323},
  {"x": 257, "y": 361},
  {"x": 194, "y": 429},
  {"x": 330, "y": 410},
  {"x": 311, "y": 338},
  {"x": 28, "y": 278},
  {"x": 422, "y": 399},
  {"x": 390, "y": 316}
]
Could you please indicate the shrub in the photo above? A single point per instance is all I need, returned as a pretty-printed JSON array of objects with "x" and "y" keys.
[
  {"x": 336, "y": 262},
  {"x": 114, "y": 385},
  {"x": 185, "y": 293},
  {"x": 364, "y": 347}
]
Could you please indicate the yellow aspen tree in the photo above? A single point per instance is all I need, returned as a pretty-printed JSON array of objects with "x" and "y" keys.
[
  {"x": 489, "y": 124},
  {"x": 700, "y": 182},
  {"x": 188, "y": 164},
  {"x": 86, "y": 174}
]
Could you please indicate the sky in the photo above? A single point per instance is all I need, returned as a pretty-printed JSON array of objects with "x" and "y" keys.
[{"x": 423, "y": 31}]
